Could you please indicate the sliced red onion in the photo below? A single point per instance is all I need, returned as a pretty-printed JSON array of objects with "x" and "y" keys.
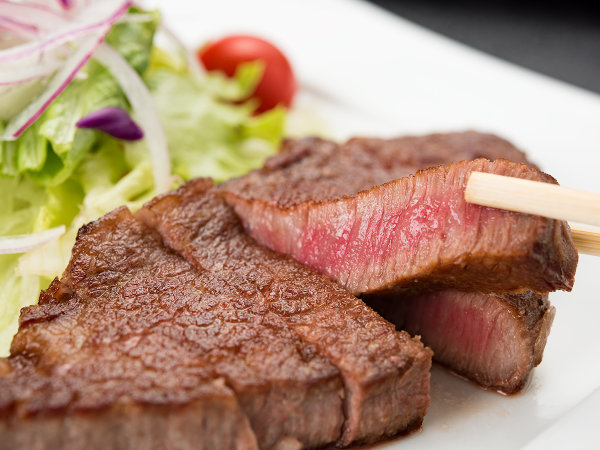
[
  {"x": 18, "y": 27},
  {"x": 67, "y": 4},
  {"x": 25, "y": 242},
  {"x": 23, "y": 74},
  {"x": 96, "y": 16},
  {"x": 32, "y": 15},
  {"x": 104, "y": 17},
  {"x": 58, "y": 83},
  {"x": 144, "y": 110},
  {"x": 114, "y": 121}
]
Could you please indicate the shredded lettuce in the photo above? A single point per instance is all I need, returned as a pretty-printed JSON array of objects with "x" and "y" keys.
[
  {"x": 206, "y": 136},
  {"x": 18, "y": 290},
  {"x": 56, "y": 174}
]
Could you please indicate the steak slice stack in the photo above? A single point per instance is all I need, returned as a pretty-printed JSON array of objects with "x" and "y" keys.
[
  {"x": 385, "y": 373},
  {"x": 172, "y": 327},
  {"x": 304, "y": 201}
]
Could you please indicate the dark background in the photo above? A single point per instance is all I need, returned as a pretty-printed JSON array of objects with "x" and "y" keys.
[{"x": 558, "y": 38}]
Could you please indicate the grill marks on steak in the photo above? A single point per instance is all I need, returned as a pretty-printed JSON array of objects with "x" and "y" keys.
[
  {"x": 495, "y": 340},
  {"x": 411, "y": 234},
  {"x": 386, "y": 373},
  {"x": 134, "y": 332}
]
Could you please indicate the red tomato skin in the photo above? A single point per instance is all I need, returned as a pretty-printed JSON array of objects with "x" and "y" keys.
[{"x": 278, "y": 84}]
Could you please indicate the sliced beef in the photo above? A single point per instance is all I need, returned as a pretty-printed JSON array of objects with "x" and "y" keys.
[
  {"x": 448, "y": 320},
  {"x": 494, "y": 340},
  {"x": 386, "y": 373},
  {"x": 130, "y": 408},
  {"x": 147, "y": 309},
  {"x": 138, "y": 346},
  {"x": 412, "y": 234}
]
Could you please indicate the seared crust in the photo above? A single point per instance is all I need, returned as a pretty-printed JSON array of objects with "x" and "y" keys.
[{"x": 313, "y": 169}]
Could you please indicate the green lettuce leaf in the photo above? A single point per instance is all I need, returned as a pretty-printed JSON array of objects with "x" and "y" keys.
[
  {"x": 134, "y": 39},
  {"x": 208, "y": 136},
  {"x": 16, "y": 292}
]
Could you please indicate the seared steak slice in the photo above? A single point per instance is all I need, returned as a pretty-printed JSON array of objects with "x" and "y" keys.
[
  {"x": 325, "y": 170},
  {"x": 386, "y": 373},
  {"x": 129, "y": 408},
  {"x": 413, "y": 234},
  {"x": 493, "y": 340},
  {"x": 140, "y": 312}
]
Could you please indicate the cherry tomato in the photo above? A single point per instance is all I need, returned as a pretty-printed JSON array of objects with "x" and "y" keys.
[{"x": 278, "y": 83}]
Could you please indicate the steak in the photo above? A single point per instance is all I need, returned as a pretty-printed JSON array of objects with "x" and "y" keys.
[
  {"x": 137, "y": 302},
  {"x": 122, "y": 410},
  {"x": 172, "y": 327},
  {"x": 464, "y": 329},
  {"x": 494, "y": 340},
  {"x": 96, "y": 365},
  {"x": 412, "y": 234},
  {"x": 385, "y": 373}
]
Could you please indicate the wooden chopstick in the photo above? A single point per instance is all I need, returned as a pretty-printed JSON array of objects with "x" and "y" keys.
[
  {"x": 586, "y": 238},
  {"x": 542, "y": 199},
  {"x": 533, "y": 197}
]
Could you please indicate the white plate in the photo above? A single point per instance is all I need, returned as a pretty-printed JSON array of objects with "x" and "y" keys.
[{"x": 364, "y": 71}]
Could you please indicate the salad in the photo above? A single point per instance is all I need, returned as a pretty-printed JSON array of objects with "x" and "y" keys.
[{"x": 103, "y": 107}]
